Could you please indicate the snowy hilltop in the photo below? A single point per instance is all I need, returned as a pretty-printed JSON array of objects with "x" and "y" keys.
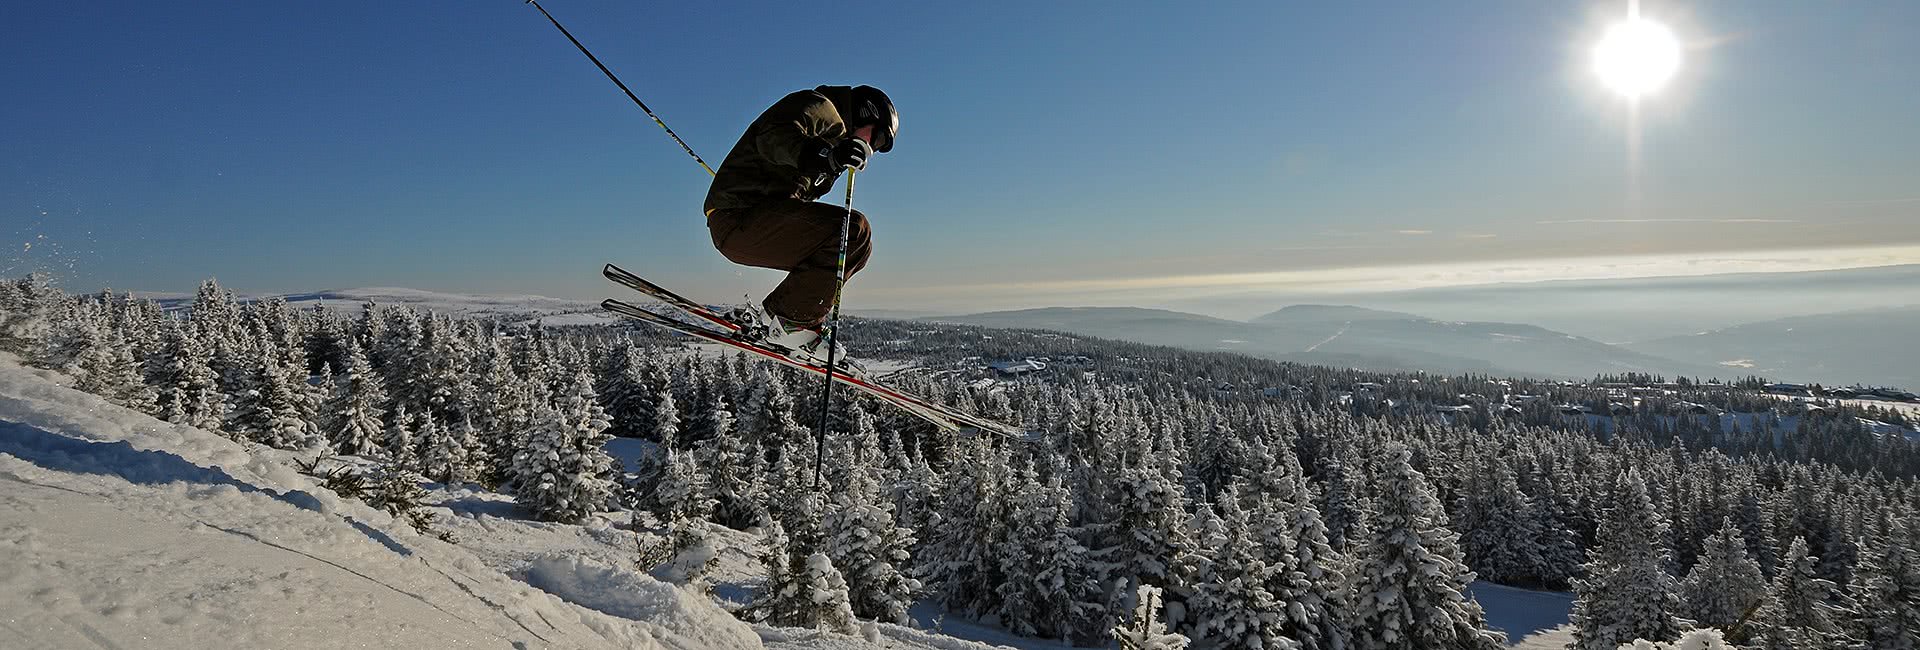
[{"x": 122, "y": 530}]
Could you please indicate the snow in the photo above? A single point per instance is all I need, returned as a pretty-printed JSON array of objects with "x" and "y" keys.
[
  {"x": 625, "y": 594},
  {"x": 119, "y": 530},
  {"x": 1559, "y": 638},
  {"x": 1520, "y": 612},
  {"x": 232, "y": 548}
]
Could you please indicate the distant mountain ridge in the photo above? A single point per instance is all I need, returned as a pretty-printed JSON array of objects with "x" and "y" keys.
[
  {"x": 1876, "y": 346},
  {"x": 462, "y": 304},
  {"x": 1343, "y": 335},
  {"x": 1323, "y": 313}
]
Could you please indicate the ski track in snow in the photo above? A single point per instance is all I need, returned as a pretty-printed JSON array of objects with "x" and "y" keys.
[
  {"x": 121, "y": 531},
  {"x": 1343, "y": 329}
]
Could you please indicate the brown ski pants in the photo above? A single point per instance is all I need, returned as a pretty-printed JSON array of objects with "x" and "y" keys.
[{"x": 799, "y": 237}]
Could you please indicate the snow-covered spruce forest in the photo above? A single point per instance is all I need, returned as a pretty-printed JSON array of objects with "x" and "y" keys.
[{"x": 1165, "y": 496}]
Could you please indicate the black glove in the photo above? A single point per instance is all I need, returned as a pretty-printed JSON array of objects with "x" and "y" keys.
[{"x": 851, "y": 152}]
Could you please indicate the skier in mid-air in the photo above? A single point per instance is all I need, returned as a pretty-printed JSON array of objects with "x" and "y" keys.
[{"x": 761, "y": 208}]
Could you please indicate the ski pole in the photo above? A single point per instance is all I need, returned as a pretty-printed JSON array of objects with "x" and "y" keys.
[
  {"x": 623, "y": 87},
  {"x": 833, "y": 333}
]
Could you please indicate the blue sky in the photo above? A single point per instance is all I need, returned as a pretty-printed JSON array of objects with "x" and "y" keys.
[{"x": 1050, "y": 153}]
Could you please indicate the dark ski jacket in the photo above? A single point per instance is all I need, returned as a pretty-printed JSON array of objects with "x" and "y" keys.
[{"x": 764, "y": 165}]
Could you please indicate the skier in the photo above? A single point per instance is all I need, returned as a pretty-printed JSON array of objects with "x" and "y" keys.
[{"x": 761, "y": 208}]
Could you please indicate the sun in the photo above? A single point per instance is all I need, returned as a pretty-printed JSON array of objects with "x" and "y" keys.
[{"x": 1636, "y": 57}]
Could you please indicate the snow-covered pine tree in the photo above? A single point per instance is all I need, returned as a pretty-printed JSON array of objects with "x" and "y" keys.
[
  {"x": 190, "y": 392},
  {"x": 803, "y": 588},
  {"x": 1222, "y": 452},
  {"x": 1560, "y": 554},
  {"x": 1627, "y": 593},
  {"x": 870, "y": 550},
  {"x": 1232, "y": 608},
  {"x": 632, "y": 392},
  {"x": 1341, "y": 503},
  {"x": 959, "y": 562},
  {"x": 270, "y": 411},
  {"x": 1049, "y": 589},
  {"x": 1193, "y": 566},
  {"x": 26, "y": 313},
  {"x": 91, "y": 360},
  {"x": 396, "y": 355},
  {"x": 1146, "y": 631},
  {"x": 681, "y": 489},
  {"x": 1498, "y": 530},
  {"x": 111, "y": 371},
  {"x": 1724, "y": 584},
  {"x": 353, "y": 421},
  {"x": 325, "y": 338},
  {"x": 1410, "y": 591},
  {"x": 733, "y": 472},
  {"x": 643, "y": 489},
  {"x": 443, "y": 455},
  {"x": 541, "y": 467},
  {"x": 1314, "y": 602},
  {"x": 445, "y": 378},
  {"x": 563, "y": 472},
  {"x": 1886, "y": 593},
  {"x": 1796, "y": 612},
  {"x": 1149, "y": 519},
  {"x": 400, "y": 441}
]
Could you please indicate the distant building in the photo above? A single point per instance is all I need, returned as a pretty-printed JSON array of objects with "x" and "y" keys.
[
  {"x": 1693, "y": 408},
  {"x": 1020, "y": 367}
]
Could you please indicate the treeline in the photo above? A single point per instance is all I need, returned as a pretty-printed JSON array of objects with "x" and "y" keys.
[{"x": 1240, "y": 519}]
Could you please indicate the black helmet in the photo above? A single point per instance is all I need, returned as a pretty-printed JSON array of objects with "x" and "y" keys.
[{"x": 873, "y": 107}]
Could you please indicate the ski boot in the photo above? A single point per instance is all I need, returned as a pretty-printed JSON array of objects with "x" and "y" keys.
[{"x": 800, "y": 340}]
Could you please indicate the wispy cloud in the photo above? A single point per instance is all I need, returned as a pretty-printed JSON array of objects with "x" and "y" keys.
[
  {"x": 1573, "y": 221},
  {"x": 1413, "y": 232},
  {"x": 1414, "y": 276},
  {"x": 1879, "y": 201},
  {"x": 1478, "y": 235}
]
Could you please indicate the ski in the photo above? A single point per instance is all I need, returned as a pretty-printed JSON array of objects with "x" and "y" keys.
[
  {"x": 940, "y": 416},
  {"x": 642, "y": 285},
  {"x": 738, "y": 330}
]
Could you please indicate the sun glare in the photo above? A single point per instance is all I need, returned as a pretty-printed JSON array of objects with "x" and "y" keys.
[{"x": 1636, "y": 57}]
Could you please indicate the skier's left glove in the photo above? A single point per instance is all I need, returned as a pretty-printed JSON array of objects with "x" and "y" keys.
[{"x": 852, "y": 152}]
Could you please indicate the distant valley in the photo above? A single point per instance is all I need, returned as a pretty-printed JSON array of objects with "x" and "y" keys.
[{"x": 1353, "y": 337}]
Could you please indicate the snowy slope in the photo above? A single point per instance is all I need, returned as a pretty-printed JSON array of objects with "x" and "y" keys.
[
  {"x": 1522, "y": 613},
  {"x": 119, "y": 530}
]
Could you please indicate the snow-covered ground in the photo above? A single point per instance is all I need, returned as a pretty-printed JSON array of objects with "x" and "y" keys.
[
  {"x": 1559, "y": 638},
  {"x": 120, "y": 531},
  {"x": 1526, "y": 616}
]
